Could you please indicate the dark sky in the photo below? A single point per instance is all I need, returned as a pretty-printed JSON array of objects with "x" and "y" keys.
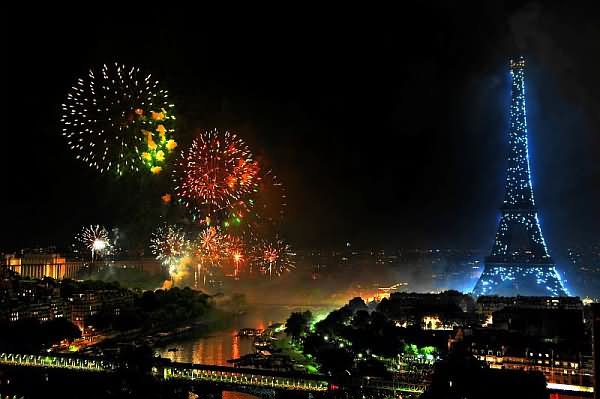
[{"x": 388, "y": 129}]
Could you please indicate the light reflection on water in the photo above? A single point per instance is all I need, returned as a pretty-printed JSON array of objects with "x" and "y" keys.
[
  {"x": 237, "y": 395},
  {"x": 216, "y": 348},
  {"x": 219, "y": 346}
]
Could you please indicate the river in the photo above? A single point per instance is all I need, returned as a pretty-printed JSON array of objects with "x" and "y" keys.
[{"x": 219, "y": 346}]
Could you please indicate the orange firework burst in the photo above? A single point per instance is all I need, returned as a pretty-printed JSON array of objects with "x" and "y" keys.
[
  {"x": 166, "y": 198},
  {"x": 215, "y": 171},
  {"x": 210, "y": 244},
  {"x": 235, "y": 249}
]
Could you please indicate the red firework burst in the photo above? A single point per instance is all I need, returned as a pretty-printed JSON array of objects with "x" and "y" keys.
[{"x": 215, "y": 171}]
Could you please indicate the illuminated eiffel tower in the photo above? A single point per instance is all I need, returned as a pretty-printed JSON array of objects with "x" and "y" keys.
[{"x": 519, "y": 263}]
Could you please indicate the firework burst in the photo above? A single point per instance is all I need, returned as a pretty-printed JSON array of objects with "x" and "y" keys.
[
  {"x": 214, "y": 172},
  {"x": 208, "y": 254},
  {"x": 275, "y": 258},
  {"x": 96, "y": 239},
  {"x": 169, "y": 244},
  {"x": 235, "y": 252},
  {"x": 210, "y": 245},
  {"x": 117, "y": 120}
]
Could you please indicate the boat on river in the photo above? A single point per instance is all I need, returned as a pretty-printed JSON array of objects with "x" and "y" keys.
[{"x": 249, "y": 332}]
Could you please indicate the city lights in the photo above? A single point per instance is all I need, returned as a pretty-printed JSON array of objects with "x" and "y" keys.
[{"x": 231, "y": 211}]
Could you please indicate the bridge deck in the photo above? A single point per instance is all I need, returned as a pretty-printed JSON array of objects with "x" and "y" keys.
[
  {"x": 66, "y": 362},
  {"x": 198, "y": 373},
  {"x": 180, "y": 371},
  {"x": 242, "y": 377}
]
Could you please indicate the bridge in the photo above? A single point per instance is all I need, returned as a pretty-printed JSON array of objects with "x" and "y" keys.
[
  {"x": 229, "y": 378},
  {"x": 63, "y": 362},
  {"x": 224, "y": 375}
]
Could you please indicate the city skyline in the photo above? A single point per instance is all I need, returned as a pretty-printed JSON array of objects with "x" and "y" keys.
[{"x": 295, "y": 204}]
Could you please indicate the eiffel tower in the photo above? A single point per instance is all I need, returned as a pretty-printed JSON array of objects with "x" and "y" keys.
[{"x": 519, "y": 263}]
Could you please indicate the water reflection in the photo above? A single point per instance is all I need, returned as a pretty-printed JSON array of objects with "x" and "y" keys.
[
  {"x": 237, "y": 395},
  {"x": 220, "y": 346},
  {"x": 216, "y": 348}
]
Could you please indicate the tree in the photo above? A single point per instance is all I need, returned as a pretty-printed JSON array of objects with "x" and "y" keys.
[
  {"x": 149, "y": 301},
  {"x": 361, "y": 320},
  {"x": 312, "y": 344},
  {"x": 410, "y": 349},
  {"x": 335, "y": 321},
  {"x": 335, "y": 360},
  {"x": 297, "y": 324},
  {"x": 357, "y": 304}
]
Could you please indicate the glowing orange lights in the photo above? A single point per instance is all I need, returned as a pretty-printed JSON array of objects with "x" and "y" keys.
[
  {"x": 157, "y": 116},
  {"x": 166, "y": 198}
]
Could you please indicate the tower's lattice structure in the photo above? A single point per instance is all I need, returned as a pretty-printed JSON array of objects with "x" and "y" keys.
[{"x": 519, "y": 263}]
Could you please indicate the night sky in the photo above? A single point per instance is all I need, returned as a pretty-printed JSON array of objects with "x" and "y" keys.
[{"x": 387, "y": 131}]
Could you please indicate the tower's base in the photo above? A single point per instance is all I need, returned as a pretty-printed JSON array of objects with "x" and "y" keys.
[{"x": 507, "y": 279}]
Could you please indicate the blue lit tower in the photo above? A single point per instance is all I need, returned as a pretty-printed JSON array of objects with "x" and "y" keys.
[{"x": 519, "y": 263}]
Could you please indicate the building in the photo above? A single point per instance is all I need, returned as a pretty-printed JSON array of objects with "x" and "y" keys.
[
  {"x": 564, "y": 369},
  {"x": 87, "y": 304},
  {"x": 554, "y": 325},
  {"x": 145, "y": 265},
  {"x": 544, "y": 334},
  {"x": 42, "y": 264},
  {"x": 487, "y": 305},
  {"x": 440, "y": 311},
  {"x": 46, "y": 263},
  {"x": 22, "y": 299}
]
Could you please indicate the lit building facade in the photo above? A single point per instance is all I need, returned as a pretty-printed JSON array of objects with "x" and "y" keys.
[
  {"x": 487, "y": 305},
  {"x": 43, "y": 265},
  {"x": 30, "y": 299}
]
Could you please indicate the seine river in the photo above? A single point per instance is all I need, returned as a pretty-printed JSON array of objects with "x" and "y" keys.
[{"x": 219, "y": 346}]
